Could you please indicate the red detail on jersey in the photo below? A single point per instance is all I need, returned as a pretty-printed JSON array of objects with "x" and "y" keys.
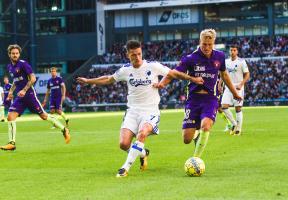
[{"x": 217, "y": 64}]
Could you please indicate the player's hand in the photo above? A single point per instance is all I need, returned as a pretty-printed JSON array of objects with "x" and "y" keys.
[
  {"x": 197, "y": 80},
  {"x": 220, "y": 89},
  {"x": 237, "y": 97},
  {"x": 82, "y": 80},
  {"x": 21, "y": 93},
  {"x": 239, "y": 87},
  {"x": 158, "y": 85},
  {"x": 9, "y": 96}
]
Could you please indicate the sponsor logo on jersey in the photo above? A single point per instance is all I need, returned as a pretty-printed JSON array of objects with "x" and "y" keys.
[{"x": 138, "y": 82}]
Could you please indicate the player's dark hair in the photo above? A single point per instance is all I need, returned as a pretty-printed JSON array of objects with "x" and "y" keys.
[
  {"x": 234, "y": 46},
  {"x": 132, "y": 44},
  {"x": 13, "y": 46}
]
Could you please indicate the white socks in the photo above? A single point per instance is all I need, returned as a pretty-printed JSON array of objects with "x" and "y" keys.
[
  {"x": 137, "y": 149},
  {"x": 229, "y": 116},
  {"x": 12, "y": 131}
]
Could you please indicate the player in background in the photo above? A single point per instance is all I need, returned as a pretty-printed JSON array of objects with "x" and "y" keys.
[
  {"x": 239, "y": 73},
  {"x": 220, "y": 86},
  {"x": 202, "y": 103},
  {"x": 2, "y": 111},
  {"x": 23, "y": 80},
  {"x": 142, "y": 116},
  {"x": 56, "y": 90},
  {"x": 7, "y": 87}
]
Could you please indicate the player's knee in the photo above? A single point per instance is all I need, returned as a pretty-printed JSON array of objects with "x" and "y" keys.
[
  {"x": 187, "y": 140},
  {"x": 141, "y": 136},
  {"x": 124, "y": 146},
  {"x": 206, "y": 128},
  {"x": 43, "y": 116}
]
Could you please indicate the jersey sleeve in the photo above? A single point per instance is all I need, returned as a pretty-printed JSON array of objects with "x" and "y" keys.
[
  {"x": 245, "y": 68},
  {"x": 119, "y": 75},
  {"x": 27, "y": 68},
  {"x": 183, "y": 65},
  {"x": 160, "y": 69}
]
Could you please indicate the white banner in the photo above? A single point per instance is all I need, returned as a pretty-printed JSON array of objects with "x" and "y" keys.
[
  {"x": 155, "y": 4},
  {"x": 100, "y": 29},
  {"x": 41, "y": 83},
  {"x": 167, "y": 16}
]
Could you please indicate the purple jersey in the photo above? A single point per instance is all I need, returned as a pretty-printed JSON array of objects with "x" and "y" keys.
[
  {"x": 20, "y": 73},
  {"x": 54, "y": 84},
  {"x": 198, "y": 65}
]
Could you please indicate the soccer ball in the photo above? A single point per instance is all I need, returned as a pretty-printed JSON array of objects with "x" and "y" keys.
[{"x": 194, "y": 166}]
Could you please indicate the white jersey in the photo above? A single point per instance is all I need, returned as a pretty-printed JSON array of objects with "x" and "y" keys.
[
  {"x": 141, "y": 94},
  {"x": 236, "y": 69},
  {"x": 1, "y": 92}
]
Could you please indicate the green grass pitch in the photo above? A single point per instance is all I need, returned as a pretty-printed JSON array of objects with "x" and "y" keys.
[{"x": 252, "y": 166}]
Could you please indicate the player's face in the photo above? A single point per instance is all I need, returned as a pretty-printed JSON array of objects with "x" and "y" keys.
[
  {"x": 233, "y": 52},
  {"x": 6, "y": 81},
  {"x": 53, "y": 72},
  {"x": 135, "y": 57},
  {"x": 206, "y": 46},
  {"x": 14, "y": 55}
]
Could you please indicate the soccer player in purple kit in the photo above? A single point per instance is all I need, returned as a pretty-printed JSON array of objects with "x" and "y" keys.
[
  {"x": 6, "y": 88},
  {"x": 23, "y": 80},
  {"x": 201, "y": 105},
  {"x": 56, "y": 90}
]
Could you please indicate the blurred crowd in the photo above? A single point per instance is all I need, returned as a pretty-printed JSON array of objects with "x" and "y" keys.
[
  {"x": 249, "y": 47},
  {"x": 269, "y": 80}
]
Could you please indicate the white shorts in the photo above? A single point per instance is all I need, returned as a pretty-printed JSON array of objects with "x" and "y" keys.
[
  {"x": 134, "y": 120},
  {"x": 227, "y": 98}
]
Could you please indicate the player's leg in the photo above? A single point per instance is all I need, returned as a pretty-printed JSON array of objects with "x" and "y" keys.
[
  {"x": 223, "y": 116},
  {"x": 239, "y": 119},
  {"x": 208, "y": 115},
  {"x": 137, "y": 148},
  {"x": 35, "y": 106},
  {"x": 229, "y": 115},
  {"x": 239, "y": 114},
  {"x": 206, "y": 125},
  {"x": 11, "y": 132},
  {"x": 227, "y": 100},
  {"x": 15, "y": 110},
  {"x": 2, "y": 113},
  {"x": 58, "y": 107},
  {"x": 52, "y": 112},
  {"x": 188, "y": 135}
]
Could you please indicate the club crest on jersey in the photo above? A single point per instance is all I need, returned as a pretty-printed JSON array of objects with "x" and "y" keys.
[
  {"x": 217, "y": 64},
  {"x": 17, "y": 70},
  {"x": 148, "y": 73}
]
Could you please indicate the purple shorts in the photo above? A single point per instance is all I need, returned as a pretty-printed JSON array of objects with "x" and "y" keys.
[
  {"x": 7, "y": 104},
  {"x": 29, "y": 101},
  {"x": 197, "y": 108},
  {"x": 55, "y": 103}
]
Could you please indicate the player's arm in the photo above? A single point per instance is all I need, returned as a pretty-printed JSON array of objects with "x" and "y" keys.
[
  {"x": 63, "y": 92},
  {"x": 102, "y": 80},
  {"x": 46, "y": 97},
  {"x": 220, "y": 86},
  {"x": 246, "y": 77},
  {"x": 226, "y": 78},
  {"x": 175, "y": 74},
  {"x": 31, "y": 81},
  {"x": 10, "y": 93},
  {"x": 2, "y": 95},
  {"x": 180, "y": 75}
]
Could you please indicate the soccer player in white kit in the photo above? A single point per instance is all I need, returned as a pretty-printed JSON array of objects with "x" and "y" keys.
[
  {"x": 239, "y": 74},
  {"x": 142, "y": 116},
  {"x": 2, "y": 112}
]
